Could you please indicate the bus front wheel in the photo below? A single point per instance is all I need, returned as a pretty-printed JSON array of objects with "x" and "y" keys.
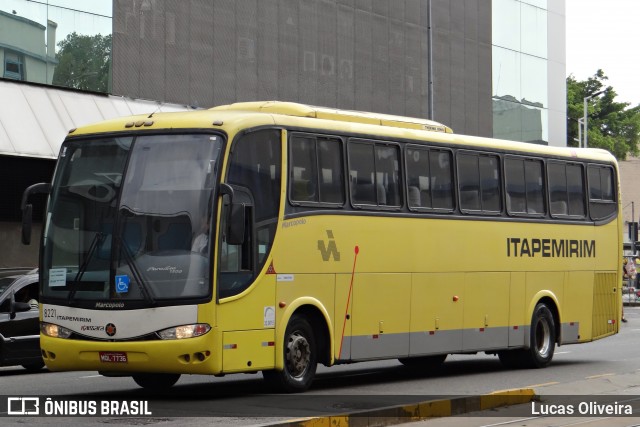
[
  {"x": 300, "y": 358},
  {"x": 156, "y": 381}
]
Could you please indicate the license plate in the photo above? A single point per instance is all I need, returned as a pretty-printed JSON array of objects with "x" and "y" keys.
[{"x": 113, "y": 357}]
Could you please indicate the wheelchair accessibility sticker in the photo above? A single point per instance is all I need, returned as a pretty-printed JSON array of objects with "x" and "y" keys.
[{"x": 122, "y": 284}]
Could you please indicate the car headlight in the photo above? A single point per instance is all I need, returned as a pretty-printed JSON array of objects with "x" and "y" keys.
[
  {"x": 184, "y": 331},
  {"x": 51, "y": 330}
]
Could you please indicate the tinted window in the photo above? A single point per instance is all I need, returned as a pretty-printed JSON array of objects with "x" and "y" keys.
[
  {"x": 469, "y": 181},
  {"x": 374, "y": 173},
  {"x": 601, "y": 191},
  {"x": 566, "y": 189},
  {"x": 479, "y": 182},
  {"x": 316, "y": 172},
  {"x": 304, "y": 171},
  {"x": 575, "y": 190},
  {"x": 524, "y": 186},
  {"x": 535, "y": 188},
  {"x": 429, "y": 178}
]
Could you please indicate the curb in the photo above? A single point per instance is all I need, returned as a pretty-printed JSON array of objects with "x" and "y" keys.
[{"x": 416, "y": 411}]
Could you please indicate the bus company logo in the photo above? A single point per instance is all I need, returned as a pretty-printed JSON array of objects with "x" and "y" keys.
[
  {"x": 329, "y": 250},
  {"x": 550, "y": 248},
  {"x": 110, "y": 329}
]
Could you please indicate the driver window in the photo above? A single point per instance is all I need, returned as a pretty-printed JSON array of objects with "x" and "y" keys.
[{"x": 255, "y": 166}]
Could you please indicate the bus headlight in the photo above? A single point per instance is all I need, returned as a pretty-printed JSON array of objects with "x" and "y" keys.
[
  {"x": 185, "y": 331},
  {"x": 51, "y": 330}
]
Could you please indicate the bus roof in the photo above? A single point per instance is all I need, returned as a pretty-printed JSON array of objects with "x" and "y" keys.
[
  {"x": 254, "y": 114},
  {"x": 302, "y": 110}
]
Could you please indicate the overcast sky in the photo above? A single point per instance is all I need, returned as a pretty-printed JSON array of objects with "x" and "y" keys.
[{"x": 606, "y": 35}]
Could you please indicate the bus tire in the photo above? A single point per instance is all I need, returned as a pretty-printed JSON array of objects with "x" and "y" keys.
[
  {"x": 34, "y": 367},
  {"x": 542, "y": 342},
  {"x": 423, "y": 362},
  {"x": 156, "y": 381},
  {"x": 300, "y": 358},
  {"x": 542, "y": 337}
]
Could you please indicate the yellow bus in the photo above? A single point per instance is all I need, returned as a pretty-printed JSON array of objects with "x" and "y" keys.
[{"x": 274, "y": 236}]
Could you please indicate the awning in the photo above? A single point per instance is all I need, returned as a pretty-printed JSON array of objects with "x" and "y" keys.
[{"x": 34, "y": 120}]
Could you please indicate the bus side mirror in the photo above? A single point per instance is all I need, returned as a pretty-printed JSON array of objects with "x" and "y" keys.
[
  {"x": 27, "y": 209},
  {"x": 237, "y": 221}
]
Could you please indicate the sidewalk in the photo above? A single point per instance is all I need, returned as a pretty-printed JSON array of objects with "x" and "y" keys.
[{"x": 520, "y": 407}]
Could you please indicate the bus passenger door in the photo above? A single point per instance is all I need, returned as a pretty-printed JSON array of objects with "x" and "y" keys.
[{"x": 380, "y": 316}]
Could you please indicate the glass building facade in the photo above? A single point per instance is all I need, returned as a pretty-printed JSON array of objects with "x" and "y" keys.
[
  {"x": 520, "y": 96},
  {"x": 57, "y": 42},
  {"x": 528, "y": 71}
]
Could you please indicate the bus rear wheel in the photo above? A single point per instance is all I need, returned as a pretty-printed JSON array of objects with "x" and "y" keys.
[
  {"x": 300, "y": 358},
  {"x": 156, "y": 381},
  {"x": 542, "y": 342},
  {"x": 542, "y": 338}
]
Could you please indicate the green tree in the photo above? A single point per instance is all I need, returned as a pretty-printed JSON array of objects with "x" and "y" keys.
[
  {"x": 84, "y": 62},
  {"x": 612, "y": 125}
]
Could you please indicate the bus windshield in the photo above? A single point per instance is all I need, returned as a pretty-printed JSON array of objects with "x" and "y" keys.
[{"x": 128, "y": 220}]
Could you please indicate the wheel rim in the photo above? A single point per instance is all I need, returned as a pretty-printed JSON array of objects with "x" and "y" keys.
[
  {"x": 543, "y": 338},
  {"x": 298, "y": 354}
]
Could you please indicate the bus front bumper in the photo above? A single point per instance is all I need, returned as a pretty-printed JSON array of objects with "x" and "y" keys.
[{"x": 187, "y": 356}]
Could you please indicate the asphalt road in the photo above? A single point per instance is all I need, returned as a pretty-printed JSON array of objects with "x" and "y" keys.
[{"x": 245, "y": 400}]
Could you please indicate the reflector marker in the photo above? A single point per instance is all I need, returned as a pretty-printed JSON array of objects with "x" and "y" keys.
[{"x": 230, "y": 346}]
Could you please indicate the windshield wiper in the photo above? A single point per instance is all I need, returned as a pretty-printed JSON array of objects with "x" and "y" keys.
[
  {"x": 98, "y": 239},
  {"x": 139, "y": 278}
]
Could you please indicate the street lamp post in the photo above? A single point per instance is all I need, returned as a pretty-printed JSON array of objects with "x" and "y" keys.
[
  {"x": 586, "y": 127},
  {"x": 580, "y": 125}
]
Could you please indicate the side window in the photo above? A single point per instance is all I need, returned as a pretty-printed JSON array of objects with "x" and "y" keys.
[
  {"x": 316, "y": 172},
  {"x": 28, "y": 294},
  {"x": 255, "y": 165},
  {"x": 566, "y": 189},
  {"x": 479, "y": 182},
  {"x": 429, "y": 178},
  {"x": 374, "y": 174},
  {"x": 13, "y": 65},
  {"x": 524, "y": 186},
  {"x": 602, "y": 202}
]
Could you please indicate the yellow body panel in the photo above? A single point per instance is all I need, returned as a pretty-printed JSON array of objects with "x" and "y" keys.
[
  {"x": 192, "y": 356},
  {"x": 248, "y": 350},
  {"x": 440, "y": 279}
]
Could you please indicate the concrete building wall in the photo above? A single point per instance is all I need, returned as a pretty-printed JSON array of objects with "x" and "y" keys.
[{"x": 367, "y": 55}]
